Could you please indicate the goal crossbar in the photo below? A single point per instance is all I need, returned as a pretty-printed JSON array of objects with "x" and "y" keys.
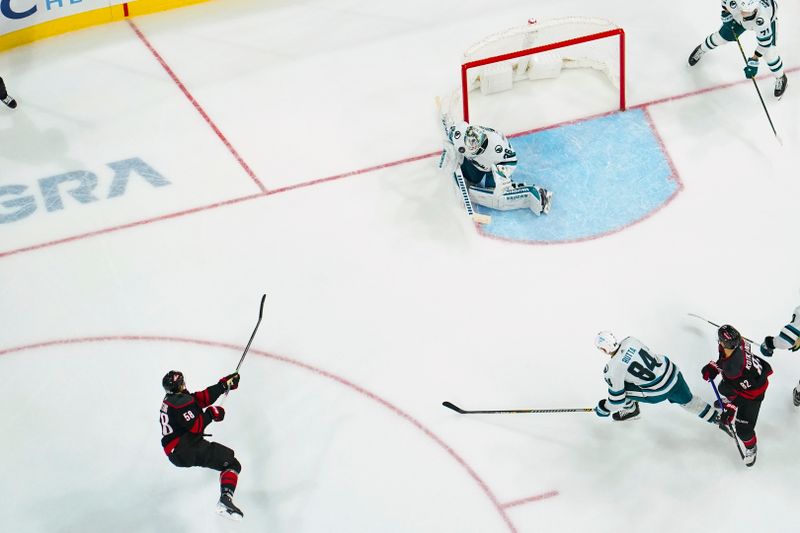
[{"x": 545, "y": 48}]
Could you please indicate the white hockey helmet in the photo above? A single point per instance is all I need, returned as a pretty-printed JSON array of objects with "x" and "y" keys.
[
  {"x": 607, "y": 342},
  {"x": 749, "y": 8},
  {"x": 474, "y": 138}
]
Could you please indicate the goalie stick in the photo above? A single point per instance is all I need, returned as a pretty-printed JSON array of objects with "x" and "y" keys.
[
  {"x": 458, "y": 410},
  {"x": 459, "y": 177},
  {"x": 718, "y": 326}
]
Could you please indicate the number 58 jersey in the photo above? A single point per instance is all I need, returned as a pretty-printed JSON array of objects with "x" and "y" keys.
[{"x": 635, "y": 373}]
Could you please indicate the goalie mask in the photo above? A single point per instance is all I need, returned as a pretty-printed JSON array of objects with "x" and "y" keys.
[
  {"x": 474, "y": 139},
  {"x": 607, "y": 342}
]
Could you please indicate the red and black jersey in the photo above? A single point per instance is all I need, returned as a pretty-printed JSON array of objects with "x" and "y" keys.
[
  {"x": 744, "y": 374},
  {"x": 182, "y": 413}
]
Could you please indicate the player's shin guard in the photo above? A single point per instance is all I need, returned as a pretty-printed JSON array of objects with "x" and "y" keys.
[
  {"x": 227, "y": 481},
  {"x": 702, "y": 409}
]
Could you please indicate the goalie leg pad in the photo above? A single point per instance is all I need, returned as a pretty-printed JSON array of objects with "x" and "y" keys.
[{"x": 518, "y": 196}]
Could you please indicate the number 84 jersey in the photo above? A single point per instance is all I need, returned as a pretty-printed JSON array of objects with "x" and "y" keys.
[{"x": 635, "y": 373}]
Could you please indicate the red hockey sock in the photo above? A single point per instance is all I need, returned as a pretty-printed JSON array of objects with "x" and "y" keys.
[{"x": 228, "y": 480}]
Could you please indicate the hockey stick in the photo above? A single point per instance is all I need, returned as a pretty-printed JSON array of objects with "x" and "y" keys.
[
  {"x": 459, "y": 177},
  {"x": 260, "y": 315},
  {"x": 755, "y": 84},
  {"x": 508, "y": 411},
  {"x": 247, "y": 348},
  {"x": 730, "y": 426},
  {"x": 718, "y": 326}
]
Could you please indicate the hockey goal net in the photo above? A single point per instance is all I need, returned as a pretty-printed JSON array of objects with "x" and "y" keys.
[{"x": 542, "y": 50}]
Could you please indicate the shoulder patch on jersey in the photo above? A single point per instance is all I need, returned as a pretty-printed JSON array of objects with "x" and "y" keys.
[
  {"x": 498, "y": 149},
  {"x": 732, "y": 4},
  {"x": 759, "y": 21},
  {"x": 457, "y": 134}
]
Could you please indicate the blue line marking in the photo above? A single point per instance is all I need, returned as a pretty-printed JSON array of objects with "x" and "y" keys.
[{"x": 605, "y": 173}]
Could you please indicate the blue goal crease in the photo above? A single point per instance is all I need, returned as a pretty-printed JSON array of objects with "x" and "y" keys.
[{"x": 606, "y": 173}]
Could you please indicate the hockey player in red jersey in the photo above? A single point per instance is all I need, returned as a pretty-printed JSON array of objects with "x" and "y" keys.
[
  {"x": 184, "y": 417},
  {"x": 745, "y": 378}
]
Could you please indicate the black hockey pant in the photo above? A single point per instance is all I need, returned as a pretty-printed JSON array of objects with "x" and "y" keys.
[{"x": 200, "y": 452}]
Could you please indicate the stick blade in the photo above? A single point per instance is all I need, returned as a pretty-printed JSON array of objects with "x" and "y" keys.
[
  {"x": 481, "y": 218},
  {"x": 453, "y": 407},
  {"x": 261, "y": 306}
]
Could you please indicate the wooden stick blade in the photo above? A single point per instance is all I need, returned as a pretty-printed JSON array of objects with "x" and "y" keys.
[{"x": 482, "y": 219}]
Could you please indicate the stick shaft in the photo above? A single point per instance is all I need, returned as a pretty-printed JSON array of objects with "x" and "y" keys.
[
  {"x": 260, "y": 315},
  {"x": 730, "y": 426},
  {"x": 755, "y": 84},
  {"x": 457, "y": 409},
  {"x": 718, "y": 326}
]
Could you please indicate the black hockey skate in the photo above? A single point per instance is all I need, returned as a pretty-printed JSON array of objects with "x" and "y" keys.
[
  {"x": 780, "y": 86},
  {"x": 750, "y": 455},
  {"x": 796, "y": 396},
  {"x": 10, "y": 102},
  {"x": 696, "y": 54},
  {"x": 226, "y": 508},
  {"x": 627, "y": 413},
  {"x": 546, "y": 197}
]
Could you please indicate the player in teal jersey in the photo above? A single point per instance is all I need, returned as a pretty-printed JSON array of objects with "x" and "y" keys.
[
  {"x": 788, "y": 338},
  {"x": 759, "y": 16},
  {"x": 636, "y": 374}
]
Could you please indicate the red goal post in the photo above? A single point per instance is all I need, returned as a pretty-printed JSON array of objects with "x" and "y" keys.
[{"x": 557, "y": 36}]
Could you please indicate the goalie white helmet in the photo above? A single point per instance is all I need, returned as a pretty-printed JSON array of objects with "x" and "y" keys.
[
  {"x": 607, "y": 342},
  {"x": 474, "y": 138}
]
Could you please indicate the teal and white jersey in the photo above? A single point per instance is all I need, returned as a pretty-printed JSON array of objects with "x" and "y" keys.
[
  {"x": 789, "y": 336},
  {"x": 763, "y": 23},
  {"x": 635, "y": 372},
  {"x": 495, "y": 155}
]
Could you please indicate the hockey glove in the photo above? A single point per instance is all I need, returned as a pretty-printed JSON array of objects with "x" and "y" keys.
[
  {"x": 751, "y": 69},
  {"x": 728, "y": 415},
  {"x": 217, "y": 413},
  {"x": 230, "y": 382},
  {"x": 601, "y": 410},
  {"x": 768, "y": 347},
  {"x": 710, "y": 371}
]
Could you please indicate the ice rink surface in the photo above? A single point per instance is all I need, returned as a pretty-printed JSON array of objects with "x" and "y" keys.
[{"x": 161, "y": 174}]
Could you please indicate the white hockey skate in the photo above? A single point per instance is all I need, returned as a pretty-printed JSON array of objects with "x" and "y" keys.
[
  {"x": 750, "y": 455},
  {"x": 10, "y": 102},
  {"x": 226, "y": 508}
]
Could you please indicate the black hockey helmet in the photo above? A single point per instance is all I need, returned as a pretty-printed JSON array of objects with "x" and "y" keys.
[
  {"x": 728, "y": 337},
  {"x": 173, "y": 381}
]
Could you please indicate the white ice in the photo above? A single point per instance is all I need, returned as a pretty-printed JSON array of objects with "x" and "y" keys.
[{"x": 383, "y": 301}]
